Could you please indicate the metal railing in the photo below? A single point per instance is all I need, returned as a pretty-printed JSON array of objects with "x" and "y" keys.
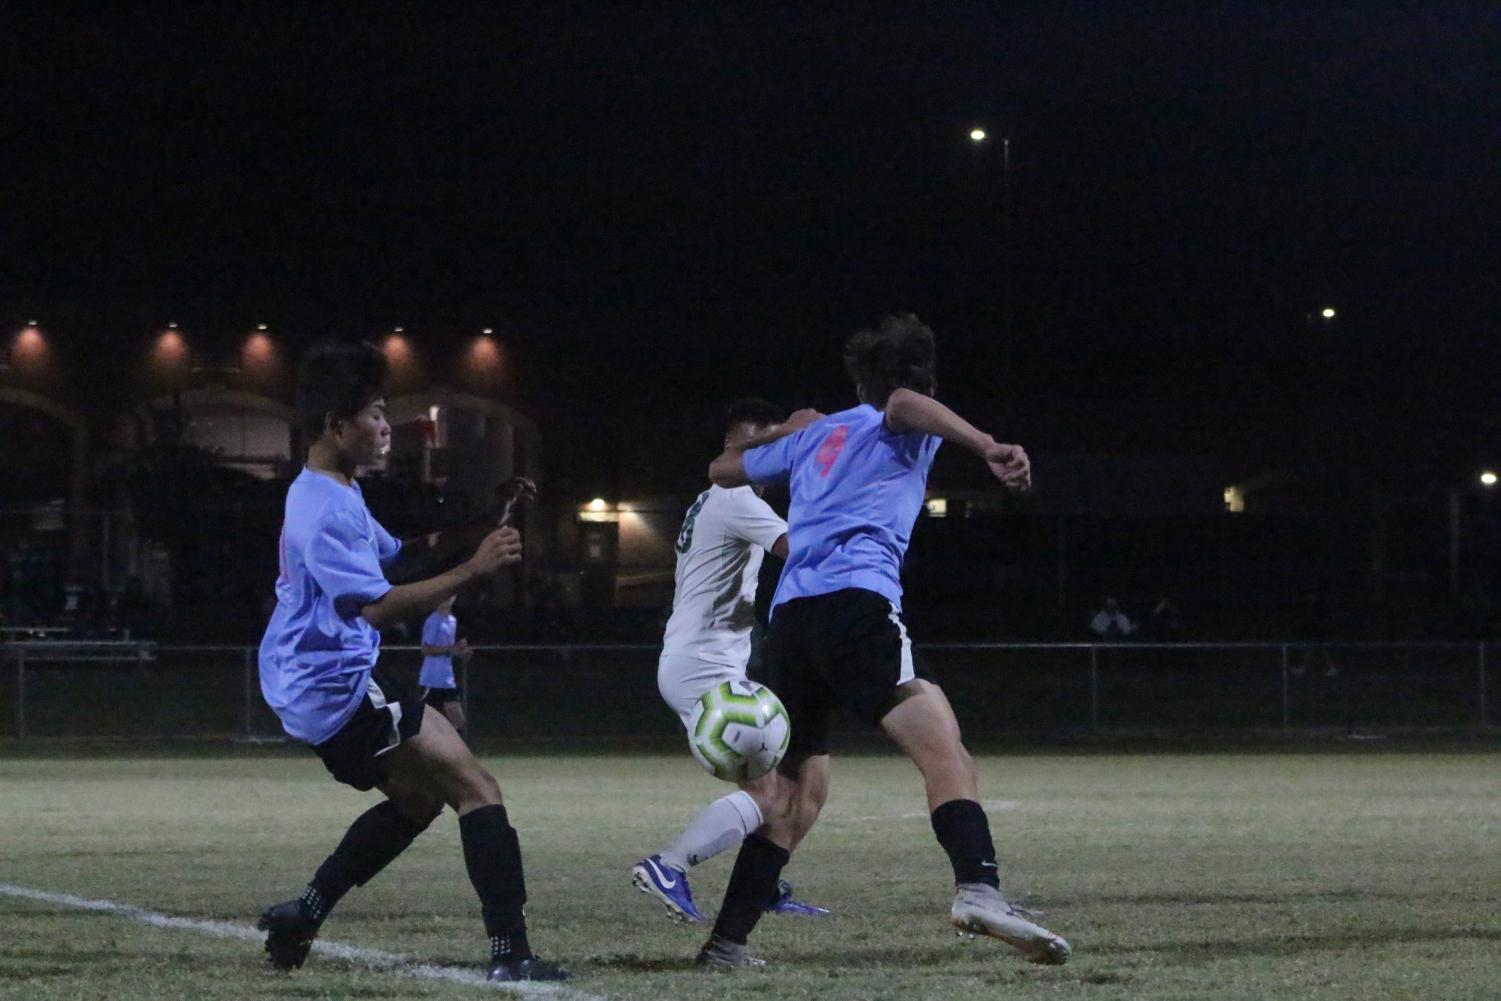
[{"x": 121, "y": 688}]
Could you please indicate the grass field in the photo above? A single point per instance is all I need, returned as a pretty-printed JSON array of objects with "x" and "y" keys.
[{"x": 1176, "y": 876}]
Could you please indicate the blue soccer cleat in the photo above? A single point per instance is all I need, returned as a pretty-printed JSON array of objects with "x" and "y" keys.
[
  {"x": 669, "y": 885},
  {"x": 784, "y": 904}
]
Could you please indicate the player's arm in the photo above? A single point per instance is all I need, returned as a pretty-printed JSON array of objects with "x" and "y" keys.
[
  {"x": 779, "y": 547},
  {"x": 728, "y": 470},
  {"x": 502, "y": 547},
  {"x": 908, "y": 411}
]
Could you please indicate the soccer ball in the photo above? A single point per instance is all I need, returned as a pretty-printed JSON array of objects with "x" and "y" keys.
[{"x": 738, "y": 731}]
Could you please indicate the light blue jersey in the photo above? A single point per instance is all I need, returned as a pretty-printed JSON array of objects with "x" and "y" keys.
[
  {"x": 856, "y": 491},
  {"x": 317, "y": 653},
  {"x": 440, "y": 629}
]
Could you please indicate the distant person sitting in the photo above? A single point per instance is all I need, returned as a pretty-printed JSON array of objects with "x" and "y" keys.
[
  {"x": 1165, "y": 624},
  {"x": 1110, "y": 623}
]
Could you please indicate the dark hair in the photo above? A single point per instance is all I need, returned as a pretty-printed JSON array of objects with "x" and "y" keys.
[
  {"x": 898, "y": 354},
  {"x": 338, "y": 379},
  {"x": 756, "y": 412}
]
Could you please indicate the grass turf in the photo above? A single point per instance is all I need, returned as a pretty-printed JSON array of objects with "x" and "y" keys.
[{"x": 1176, "y": 876}]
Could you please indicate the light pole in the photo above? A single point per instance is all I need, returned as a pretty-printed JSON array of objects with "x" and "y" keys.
[
  {"x": 978, "y": 137},
  {"x": 1488, "y": 480}
]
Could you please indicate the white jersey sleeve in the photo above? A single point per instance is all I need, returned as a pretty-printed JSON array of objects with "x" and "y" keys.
[{"x": 750, "y": 518}]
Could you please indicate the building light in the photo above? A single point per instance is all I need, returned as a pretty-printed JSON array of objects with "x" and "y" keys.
[
  {"x": 938, "y": 507},
  {"x": 1235, "y": 500},
  {"x": 1488, "y": 478}
]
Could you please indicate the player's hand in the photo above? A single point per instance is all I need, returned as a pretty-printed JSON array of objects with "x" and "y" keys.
[
  {"x": 518, "y": 488},
  {"x": 1010, "y": 465},
  {"x": 800, "y": 419},
  {"x": 500, "y": 548},
  {"x": 461, "y": 649}
]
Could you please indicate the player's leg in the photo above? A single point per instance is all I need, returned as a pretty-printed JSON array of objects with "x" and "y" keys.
[
  {"x": 793, "y": 669},
  {"x": 722, "y": 824},
  {"x": 756, "y": 884},
  {"x": 922, "y": 724},
  {"x": 438, "y": 760},
  {"x": 449, "y": 702},
  {"x": 384, "y": 719}
]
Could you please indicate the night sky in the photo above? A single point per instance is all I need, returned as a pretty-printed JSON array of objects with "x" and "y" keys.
[{"x": 663, "y": 207}]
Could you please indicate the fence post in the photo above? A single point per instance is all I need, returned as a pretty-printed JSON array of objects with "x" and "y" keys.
[
  {"x": 20, "y": 692},
  {"x": 1094, "y": 687},
  {"x": 1286, "y": 697},
  {"x": 248, "y": 661},
  {"x": 1480, "y": 674}
]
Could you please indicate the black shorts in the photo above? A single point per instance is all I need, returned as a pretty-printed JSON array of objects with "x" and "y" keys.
[
  {"x": 439, "y": 697},
  {"x": 848, "y": 648},
  {"x": 387, "y": 715}
]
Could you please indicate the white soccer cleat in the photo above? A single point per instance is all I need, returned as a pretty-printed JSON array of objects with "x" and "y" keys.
[{"x": 981, "y": 910}]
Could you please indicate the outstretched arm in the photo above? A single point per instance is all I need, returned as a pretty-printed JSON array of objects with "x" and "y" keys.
[
  {"x": 501, "y": 547},
  {"x": 911, "y": 411},
  {"x": 728, "y": 470},
  {"x": 430, "y": 555}
]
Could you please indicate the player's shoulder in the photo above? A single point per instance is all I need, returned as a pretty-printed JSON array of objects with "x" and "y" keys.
[{"x": 858, "y": 416}]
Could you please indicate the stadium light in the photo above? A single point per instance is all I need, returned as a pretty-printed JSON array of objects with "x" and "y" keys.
[
  {"x": 1328, "y": 313},
  {"x": 1487, "y": 479},
  {"x": 977, "y": 135},
  {"x": 597, "y": 504},
  {"x": 29, "y": 350}
]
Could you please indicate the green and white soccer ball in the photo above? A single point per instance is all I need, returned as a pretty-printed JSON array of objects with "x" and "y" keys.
[{"x": 738, "y": 731}]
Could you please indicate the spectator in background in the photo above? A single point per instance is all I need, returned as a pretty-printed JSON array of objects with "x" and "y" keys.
[
  {"x": 1110, "y": 623},
  {"x": 1165, "y": 624}
]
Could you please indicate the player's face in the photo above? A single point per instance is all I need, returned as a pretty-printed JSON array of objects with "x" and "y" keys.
[{"x": 366, "y": 437}]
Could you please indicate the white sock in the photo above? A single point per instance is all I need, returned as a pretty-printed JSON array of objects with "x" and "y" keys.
[{"x": 722, "y": 824}]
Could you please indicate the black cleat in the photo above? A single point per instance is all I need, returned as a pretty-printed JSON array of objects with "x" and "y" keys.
[
  {"x": 722, "y": 954},
  {"x": 289, "y": 934},
  {"x": 530, "y": 968}
]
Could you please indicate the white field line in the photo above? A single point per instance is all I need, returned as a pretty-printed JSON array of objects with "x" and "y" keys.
[{"x": 372, "y": 958}]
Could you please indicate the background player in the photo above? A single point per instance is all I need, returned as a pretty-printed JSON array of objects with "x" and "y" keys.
[
  {"x": 857, "y": 479},
  {"x": 724, "y": 537},
  {"x": 317, "y": 666},
  {"x": 440, "y": 645},
  {"x": 440, "y": 642}
]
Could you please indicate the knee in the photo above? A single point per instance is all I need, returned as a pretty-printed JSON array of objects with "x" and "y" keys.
[{"x": 479, "y": 789}]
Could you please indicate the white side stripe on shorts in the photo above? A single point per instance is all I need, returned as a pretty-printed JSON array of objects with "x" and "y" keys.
[{"x": 908, "y": 671}]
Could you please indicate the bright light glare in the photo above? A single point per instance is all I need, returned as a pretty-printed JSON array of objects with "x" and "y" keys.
[
  {"x": 597, "y": 504},
  {"x": 978, "y": 135},
  {"x": 1328, "y": 313},
  {"x": 1488, "y": 478}
]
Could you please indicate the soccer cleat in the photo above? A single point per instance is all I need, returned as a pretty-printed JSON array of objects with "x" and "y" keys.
[
  {"x": 784, "y": 904},
  {"x": 981, "y": 910},
  {"x": 505, "y": 970},
  {"x": 289, "y": 934},
  {"x": 720, "y": 954},
  {"x": 669, "y": 885}
]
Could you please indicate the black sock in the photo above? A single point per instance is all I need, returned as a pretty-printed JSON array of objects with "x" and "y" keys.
[
  {"x": 752, "y": 889},
  {"x": 375, "y": 838},
  {"x": 492, "y": 853},
  {"x": 964, "y": 832}
]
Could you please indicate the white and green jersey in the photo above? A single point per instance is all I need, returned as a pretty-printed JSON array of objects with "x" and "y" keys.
[{"x": 724, "y": 536}]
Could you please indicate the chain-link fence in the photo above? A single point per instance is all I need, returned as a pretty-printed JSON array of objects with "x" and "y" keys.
[{"x": 151, "y": 691}]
